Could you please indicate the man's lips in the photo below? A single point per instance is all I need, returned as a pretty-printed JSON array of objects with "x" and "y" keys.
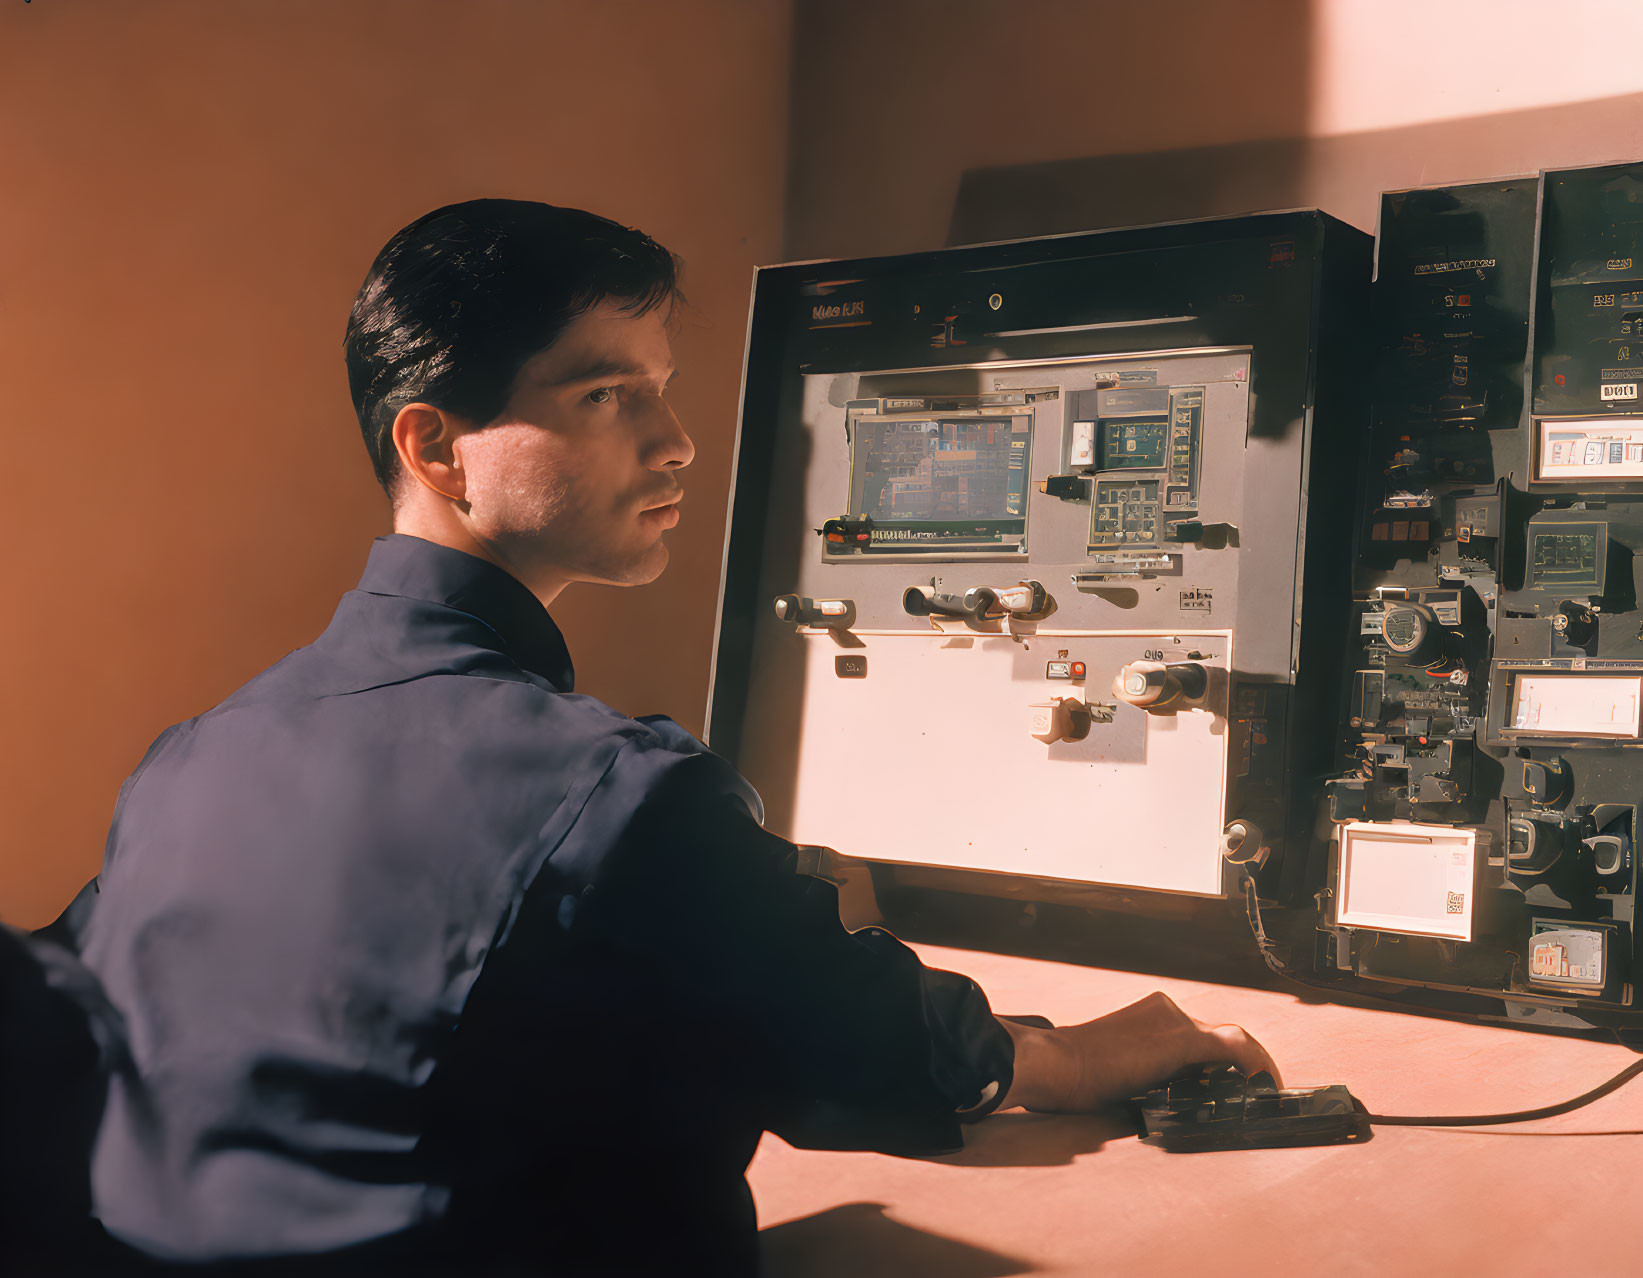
[
  {"x": 666, "y": 512},
  {"x": 672, "y": 499}
]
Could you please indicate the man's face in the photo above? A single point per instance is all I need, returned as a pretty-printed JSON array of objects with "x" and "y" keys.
[{"x": 577, "y": 480}]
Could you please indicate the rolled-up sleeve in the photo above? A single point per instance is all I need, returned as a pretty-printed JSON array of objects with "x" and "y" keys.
[{"x": 845, "y": 1040}]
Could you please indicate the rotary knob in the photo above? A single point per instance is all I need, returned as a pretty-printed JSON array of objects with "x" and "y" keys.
[
  {"x": 1574, "y": 623},
  {"x": 1413, "y": 631}
]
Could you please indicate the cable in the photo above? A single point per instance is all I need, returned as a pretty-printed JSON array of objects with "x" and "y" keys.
[
  {"x": 1522, "y": 1116},
  {"x": 1253, "y": 909}
]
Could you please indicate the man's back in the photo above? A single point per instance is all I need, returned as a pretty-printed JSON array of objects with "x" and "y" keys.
[{"x": 302, "y": 887}]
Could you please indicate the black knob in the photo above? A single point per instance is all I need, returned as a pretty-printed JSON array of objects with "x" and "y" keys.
[
  {"x": 1193, "y": 677},
  {"x": 1534, "y": 846},
  {"x": 1413, "y": 631},
  {"x": 1547, "y": 781},
  {"x": 1575, "y": 623}
]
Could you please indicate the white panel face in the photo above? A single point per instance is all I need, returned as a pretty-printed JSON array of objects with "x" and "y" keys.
[
  {"x": 1404, "y": 877},
  {"x": 1601, "y": 448},
  {"x": 1577, "y": 705},
  {"x": 930, "y": 759}
]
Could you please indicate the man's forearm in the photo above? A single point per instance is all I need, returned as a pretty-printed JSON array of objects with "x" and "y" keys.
[{"x": 1045, "y": 1071}]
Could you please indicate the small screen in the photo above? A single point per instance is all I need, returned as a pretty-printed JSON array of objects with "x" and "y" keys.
[
  {"x": 1137, "y": 442},
  {"x": 1564, "y": 705},
  {"x": 1609, "y": 449},
  {"x": 963, "y": 468},
  {"x": 1564, "y": 559},
  {"x": 1407, "y": 877}
]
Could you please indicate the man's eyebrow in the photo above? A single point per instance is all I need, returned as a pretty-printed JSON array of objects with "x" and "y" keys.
[{"x": 595, "y": 370}]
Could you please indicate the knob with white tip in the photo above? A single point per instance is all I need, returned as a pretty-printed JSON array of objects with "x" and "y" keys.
[{"x": 1160, "y": 687}]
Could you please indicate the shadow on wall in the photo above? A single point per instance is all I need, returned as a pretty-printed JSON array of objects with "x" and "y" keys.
[
  {"x": 892, "y": 100},
  {"x": 1343, "y": 175},
  {"x": 1016, "y": 201}
]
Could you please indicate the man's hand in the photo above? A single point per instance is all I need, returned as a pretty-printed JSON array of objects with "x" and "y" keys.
[{"x": 1103, "y": 1062}]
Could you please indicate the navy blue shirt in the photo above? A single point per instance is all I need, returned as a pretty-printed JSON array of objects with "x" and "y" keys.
[{"x": 417, "y": 946}]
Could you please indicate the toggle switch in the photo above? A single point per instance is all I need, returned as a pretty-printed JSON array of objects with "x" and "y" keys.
[
  {"x": 1160, "y": 687},
  {"x": 927, "y": 601},
  {"x": 1196, "y": 531},
  {"x": 1027, "y": 599},
  {"x": 1063, "y": 719},
  {"x": 1066, "y": 487},
  {"x": 800, "y": 610},
  {"x": 977, "y": 603}
]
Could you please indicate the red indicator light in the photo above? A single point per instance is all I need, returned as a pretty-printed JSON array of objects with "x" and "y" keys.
[
  {"x": 863, "y": 536},
  {"x": 1078, "y": 670},
  {"x": 834, "y": 537}
]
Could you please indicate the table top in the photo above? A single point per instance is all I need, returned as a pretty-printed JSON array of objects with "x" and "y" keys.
[{"x": 1073, "y": 1195}]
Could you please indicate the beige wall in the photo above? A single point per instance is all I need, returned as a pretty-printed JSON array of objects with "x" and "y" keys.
[
  {"x": 1385, "y": 64},
  {"x": 192, "y": 192},
  {"x": 917, "y": 124}
]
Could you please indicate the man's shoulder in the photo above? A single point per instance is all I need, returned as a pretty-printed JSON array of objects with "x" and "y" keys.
[{"x": 485, "y": 698}]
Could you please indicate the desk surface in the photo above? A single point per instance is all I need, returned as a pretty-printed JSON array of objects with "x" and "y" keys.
[{"x": 1038, "y": 1194}]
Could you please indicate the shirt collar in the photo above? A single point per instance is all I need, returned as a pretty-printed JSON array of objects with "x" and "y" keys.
[{"x": 413, "y": 568}]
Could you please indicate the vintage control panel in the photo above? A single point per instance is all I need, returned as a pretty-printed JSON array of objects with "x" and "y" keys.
[
  {"x": 1019, "y": 541},
  {"x": 1492, "y": 713},
  {"x": 1216, "y": 560}
]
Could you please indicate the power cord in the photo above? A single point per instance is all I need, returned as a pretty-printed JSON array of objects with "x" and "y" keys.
[
  {"x": 1521, "y": 1116},
  {"x": 1253, "y": 909}
]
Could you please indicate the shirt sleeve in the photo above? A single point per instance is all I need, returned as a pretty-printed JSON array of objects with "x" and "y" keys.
[{"x": 847, "y": 1040}]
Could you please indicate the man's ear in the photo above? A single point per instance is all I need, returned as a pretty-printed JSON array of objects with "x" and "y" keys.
[{"x": 424, "y": 438}]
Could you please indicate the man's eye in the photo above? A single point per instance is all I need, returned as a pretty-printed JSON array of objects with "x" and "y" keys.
[{"x": 602, "y": 395}]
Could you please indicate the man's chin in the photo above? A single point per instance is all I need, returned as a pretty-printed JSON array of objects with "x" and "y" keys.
[{"x": 640, "y": 572}]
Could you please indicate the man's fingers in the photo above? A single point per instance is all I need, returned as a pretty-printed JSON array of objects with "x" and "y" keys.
[{"x": 1244, "y": 1052}]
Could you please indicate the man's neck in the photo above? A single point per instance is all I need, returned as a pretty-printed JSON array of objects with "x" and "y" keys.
[{"x": 448, "y": 528}]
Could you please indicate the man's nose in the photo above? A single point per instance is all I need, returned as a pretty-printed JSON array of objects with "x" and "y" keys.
[{"x": 670, "y": 448}]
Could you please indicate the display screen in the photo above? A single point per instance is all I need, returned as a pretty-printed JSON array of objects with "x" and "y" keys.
[
  {"x": 1564, "y": 705},
  {"x": 1407, "y": 877},
  {"x": 1137, "y": 442},
  {"x": 940, "y": 478},
  {"x": 1564, "y": 559},
  {"x": 1602, "y": 449}
]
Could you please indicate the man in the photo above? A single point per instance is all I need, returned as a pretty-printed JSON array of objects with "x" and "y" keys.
[{"x": 428, "y": 961}]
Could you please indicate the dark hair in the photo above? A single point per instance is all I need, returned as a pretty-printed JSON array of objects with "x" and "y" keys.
[{"x": 456, "y": 303}]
